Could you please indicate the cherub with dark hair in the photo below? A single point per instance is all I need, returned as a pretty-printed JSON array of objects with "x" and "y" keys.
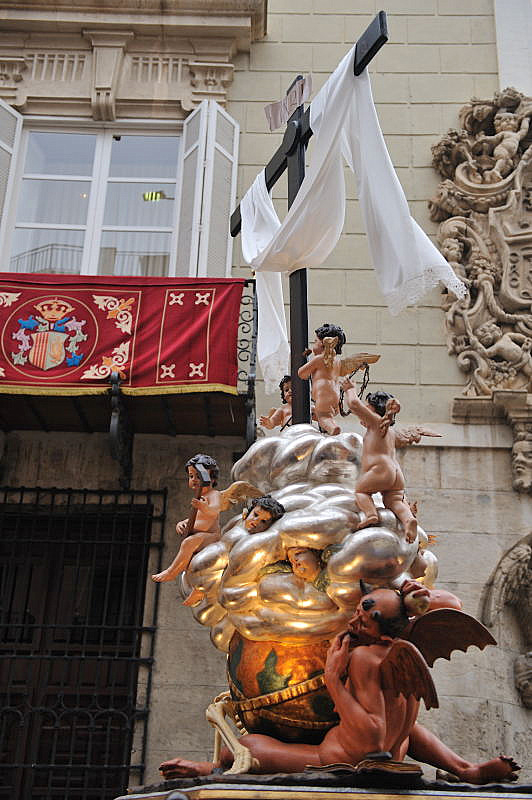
[
  {"x": 262, "y": 512},
  {"x": 281, "y": 416},
  {"x": 379, "y": 470},
  {"x": 202, "y": 527},
  {"x": 325, "y": 369}
]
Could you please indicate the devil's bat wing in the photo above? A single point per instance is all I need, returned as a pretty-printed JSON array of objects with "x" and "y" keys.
[
  {"x": 349, "y": 364},
  {"x": 405, "y": 671},
  {"x": 237, "y": 492},
  {"x": 437, "y": 633}
]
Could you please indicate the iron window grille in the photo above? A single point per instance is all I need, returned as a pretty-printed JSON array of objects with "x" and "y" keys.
[{"x": 77, "y": 624}]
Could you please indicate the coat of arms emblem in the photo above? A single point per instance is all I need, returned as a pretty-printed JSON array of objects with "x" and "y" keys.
[{"x": 50, "y": 336}]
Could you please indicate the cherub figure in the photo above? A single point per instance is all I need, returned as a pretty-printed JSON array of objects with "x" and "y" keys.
[
  {"x": 202, "y": 527},
  {"x": 262, "y": 512},
  {"x": 508, "y": 136},
  {"x": 492, "y": 343},
  {"x": 307, "y": 564},
  {"x": 376, "y": 674},
  {"x": 379, "y": 470},
  {"x": 325, "y": 369},
  {"x": 281, "y": 416}
]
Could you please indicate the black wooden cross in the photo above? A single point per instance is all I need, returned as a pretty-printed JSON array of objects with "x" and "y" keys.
[{"x": 291, "y": 156}]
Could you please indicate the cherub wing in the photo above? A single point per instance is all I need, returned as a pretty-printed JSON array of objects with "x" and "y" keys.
[
  {"x": 349, "y": 364},
  {"x": 412, "y": 435},
  {"x": 404, "y": 671},
  {"x": 437, "y": 633},
  {"x": 238, "y": 492},
  {"x": 508, "y": 579}
]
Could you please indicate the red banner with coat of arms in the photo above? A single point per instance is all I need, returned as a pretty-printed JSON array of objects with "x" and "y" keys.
[{"x": 64, "y": 334}]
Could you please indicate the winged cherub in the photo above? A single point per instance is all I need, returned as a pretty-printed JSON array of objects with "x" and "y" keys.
[
  {"x": 380, "y": 471},
  {"x": 376, "y": 674},
  {"x": 282, "y": 416},
  {"x": 325, "y": 369},
  {"x": 202, "y": 527}
]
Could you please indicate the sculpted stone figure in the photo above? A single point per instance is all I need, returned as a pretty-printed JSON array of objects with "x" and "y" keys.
[
  {"x": 522, "y": 458},
  {"x": 484, "y": 207},
  {"x": 509, "y": 133},
  {"x": 376, "y": 676},
  {"x": 513, "y": 348},
  {"x": 511, "y": 585}
]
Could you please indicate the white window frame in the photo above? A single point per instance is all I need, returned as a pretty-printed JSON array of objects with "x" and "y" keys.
[{"x": 94, "y": 228}]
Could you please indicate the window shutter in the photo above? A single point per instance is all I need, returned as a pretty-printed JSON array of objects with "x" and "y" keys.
[
  {"x": 10, "y": 132},
  {"x": 206, "y": 192},
  {"x": 189, "y": 190}
]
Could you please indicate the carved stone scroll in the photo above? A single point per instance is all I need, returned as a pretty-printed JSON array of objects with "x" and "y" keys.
[{"x": 484, "y": 206}]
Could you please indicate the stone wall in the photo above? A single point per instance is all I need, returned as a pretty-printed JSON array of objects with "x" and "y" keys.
[
  {"x": 440, "y": 53},
  {"x": 188, "y": 671}
]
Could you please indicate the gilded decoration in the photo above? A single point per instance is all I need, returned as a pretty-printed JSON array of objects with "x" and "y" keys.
[{"x": 484, "y": 207}]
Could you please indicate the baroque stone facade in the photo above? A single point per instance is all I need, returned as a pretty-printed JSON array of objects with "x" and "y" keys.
[{"x": 484, "y": 206}]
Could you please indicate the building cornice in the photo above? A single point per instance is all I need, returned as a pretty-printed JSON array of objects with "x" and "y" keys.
[{"x": 122, "y": 58}]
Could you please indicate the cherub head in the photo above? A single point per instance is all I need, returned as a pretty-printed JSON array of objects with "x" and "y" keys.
[
  {"x": 452, "y": 248},
  {"x": 205, "y": 461},
  {"x": 488, "y": 333},
  {"x": 325, "y": 330},
  {"x": 305, "y": 562},
  {"x": 377, "y": 402},
  {"x": 263, "y": 512},
  {"x": 505, "y": 121},
  {"x": 285, "y": 386}
]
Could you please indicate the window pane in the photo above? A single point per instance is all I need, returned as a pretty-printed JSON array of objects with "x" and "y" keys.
[
  {"x": 123, "y": 253},
  {"x": 60, "y": 153},
  {"x": 139, "y": 204},
  {"x": 38, "y": 250},
  {"x": 54, "y": 202},
  {"x": 144, "y": 156}
]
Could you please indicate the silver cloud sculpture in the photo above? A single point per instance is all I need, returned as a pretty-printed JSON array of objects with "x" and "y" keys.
[{"x": 313, "y": 476}]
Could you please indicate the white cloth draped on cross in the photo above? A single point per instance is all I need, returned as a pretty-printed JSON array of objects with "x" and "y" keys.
[{"x": 407, "y": 264}]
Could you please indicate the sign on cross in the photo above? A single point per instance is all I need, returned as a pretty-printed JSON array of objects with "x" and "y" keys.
[{"x": 290, "y": 156}]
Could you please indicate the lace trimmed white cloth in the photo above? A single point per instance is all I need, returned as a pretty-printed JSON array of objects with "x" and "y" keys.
[{"x": 407, "y": 264}]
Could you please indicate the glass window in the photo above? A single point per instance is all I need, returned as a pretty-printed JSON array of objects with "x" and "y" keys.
[
  {"x": 99, "y": 203},
  {"x": 60, "y": 153},
  {"x": 47, "y": 250},
  {"x": 124, "y": 253}
]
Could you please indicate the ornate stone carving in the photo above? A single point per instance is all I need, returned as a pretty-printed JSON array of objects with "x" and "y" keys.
[
  {"x": 209, "y": 80},
  {"x": 11, "y": 69},
  {"x": 511, "y": 585},
  {"x": 484, "y": 206},
  {"x": 116, "y": 61}
]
